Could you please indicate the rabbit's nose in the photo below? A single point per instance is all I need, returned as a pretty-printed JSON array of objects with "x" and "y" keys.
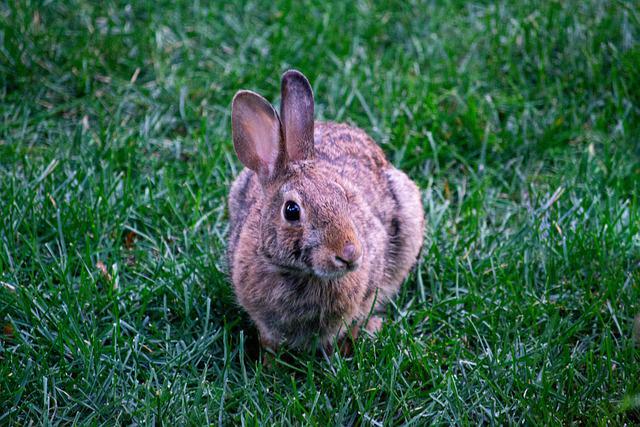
[
  {"x": 349, "y": 252},
  {"x": 349, "y": 257}
]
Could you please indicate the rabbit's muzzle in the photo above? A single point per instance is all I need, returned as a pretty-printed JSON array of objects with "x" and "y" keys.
[{"x": 340, "y": 253}]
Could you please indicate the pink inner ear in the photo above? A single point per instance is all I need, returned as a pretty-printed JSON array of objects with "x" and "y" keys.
[
  {"x": 256, "y": 133},
  {"x": 265, "y": 133}
]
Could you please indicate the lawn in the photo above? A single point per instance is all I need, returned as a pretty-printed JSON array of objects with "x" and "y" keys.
[{"x": 520, "y": 121}]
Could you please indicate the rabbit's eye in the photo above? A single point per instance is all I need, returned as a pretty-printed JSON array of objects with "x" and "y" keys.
[{"x": 291, "y": 211}]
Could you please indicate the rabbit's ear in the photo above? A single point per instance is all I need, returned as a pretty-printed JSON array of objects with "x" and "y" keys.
[
  {"x": 296, "y": 111},
  {"x": 256, "y": 133}
]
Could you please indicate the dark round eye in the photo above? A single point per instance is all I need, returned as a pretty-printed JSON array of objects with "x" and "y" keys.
[{"x": 291, "y": 211}]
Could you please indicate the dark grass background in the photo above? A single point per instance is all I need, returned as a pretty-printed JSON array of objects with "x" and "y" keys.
[{"x": 519, "y": 120}]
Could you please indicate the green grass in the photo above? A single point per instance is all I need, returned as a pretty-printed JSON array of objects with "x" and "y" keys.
[{"x": 519, "y": 120}]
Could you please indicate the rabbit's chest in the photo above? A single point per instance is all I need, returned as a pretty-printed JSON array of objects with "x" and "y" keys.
[{"x": 312, "y": 309}]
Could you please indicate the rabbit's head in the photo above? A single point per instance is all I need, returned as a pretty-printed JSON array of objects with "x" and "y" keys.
[{"x": 308, "y": 214}]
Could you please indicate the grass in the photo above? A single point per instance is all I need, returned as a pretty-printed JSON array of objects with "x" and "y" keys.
[{"x": 519, "y": 120}]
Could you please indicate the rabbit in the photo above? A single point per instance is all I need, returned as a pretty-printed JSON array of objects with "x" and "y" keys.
[{"x": 323, "y": 229}]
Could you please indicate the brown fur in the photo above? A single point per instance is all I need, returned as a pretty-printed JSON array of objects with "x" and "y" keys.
[{"x": 284, "y": 273}]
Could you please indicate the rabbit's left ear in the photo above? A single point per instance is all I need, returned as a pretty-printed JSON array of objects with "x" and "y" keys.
[
  {"x": 257, "y": 134},
  {"x": 296, "y": 114}
]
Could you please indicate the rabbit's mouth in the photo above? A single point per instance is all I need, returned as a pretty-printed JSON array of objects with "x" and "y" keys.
[
  {"x": 329, "y": 274},
  {"x": 321, "y": 273},
  {"x": 335, "y": 268}
]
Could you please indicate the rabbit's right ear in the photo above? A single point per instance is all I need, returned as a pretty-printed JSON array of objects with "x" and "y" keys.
[
  {"x": 257, "y": 137},
  {"x": 296, "y": 112}
]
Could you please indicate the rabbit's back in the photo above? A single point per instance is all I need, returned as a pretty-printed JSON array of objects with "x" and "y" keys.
[
  {"x": 341, "y": 144},
  {"x": 358, "y": 159}
]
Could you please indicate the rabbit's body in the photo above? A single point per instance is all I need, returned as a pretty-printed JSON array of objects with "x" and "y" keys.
[{"x": 358, "y": 235}]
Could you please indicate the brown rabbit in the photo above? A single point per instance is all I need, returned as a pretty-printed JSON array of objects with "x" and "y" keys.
[{"x": 323, "y": 228}]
